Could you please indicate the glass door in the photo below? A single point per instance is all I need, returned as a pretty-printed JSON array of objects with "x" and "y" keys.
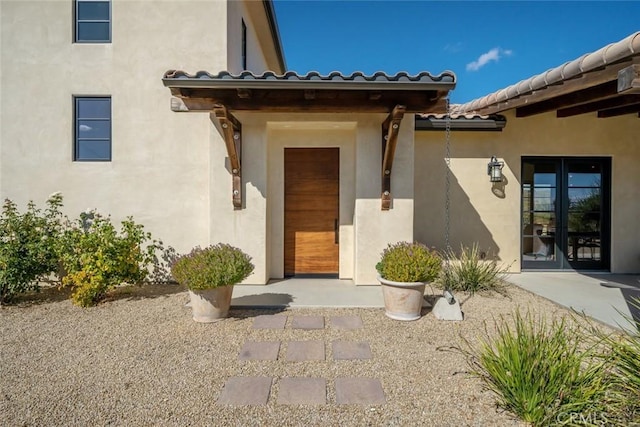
[
  {"x": 587, "y": 207},
  {"x": 565, "y": 213},
  {"x": 540, "y": 220}
]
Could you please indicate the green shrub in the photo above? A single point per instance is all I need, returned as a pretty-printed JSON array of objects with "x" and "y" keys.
[
  {"x": 27, "y": 246},
  {"x": 409, "y": 262},
  {"x": 468, "y": 272},
  {"x": 96, "y": 257},
  {"x": 623, "y": 360},
  {"x": 540, "y": 372},
  {"x": 211, "y": 267}
]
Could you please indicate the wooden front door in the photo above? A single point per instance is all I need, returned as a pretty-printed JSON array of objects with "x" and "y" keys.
[{"x": 311, "y": 208}]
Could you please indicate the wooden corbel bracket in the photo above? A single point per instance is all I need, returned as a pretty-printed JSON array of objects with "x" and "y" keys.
[
  {"x": 390, "y": 130},
  {"x": 232, "y": 133}
]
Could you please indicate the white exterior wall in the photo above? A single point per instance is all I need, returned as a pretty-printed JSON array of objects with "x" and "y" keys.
[
  {"x": 375, "y": 228},
  {"x": 259, "y": 43},
  {"x": 478, "y": 215},
  {"x": 163, "y": 163},
  {"x": 309, "y": 135},
  {"x": 365, "y": 230}
]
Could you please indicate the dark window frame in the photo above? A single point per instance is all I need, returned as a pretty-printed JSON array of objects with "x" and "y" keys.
[
  {"x": 562, "y": 165},
  {"x": 244, "y": 45},
  {"x": 77, "y": 21},
  {"x": 77, "y": 140}
]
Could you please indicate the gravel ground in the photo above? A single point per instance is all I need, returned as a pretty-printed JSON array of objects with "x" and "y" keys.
[{"x": 139, "y": 359}]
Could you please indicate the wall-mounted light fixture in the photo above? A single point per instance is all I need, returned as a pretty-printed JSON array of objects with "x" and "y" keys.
[{"x": 494, "y": 169}]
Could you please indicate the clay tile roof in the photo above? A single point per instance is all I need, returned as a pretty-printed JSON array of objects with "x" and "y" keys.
[
  {"x": 445, "y": 80},
  {"x": 460, "y": 121},
  {"x": 612, "y": 53}
]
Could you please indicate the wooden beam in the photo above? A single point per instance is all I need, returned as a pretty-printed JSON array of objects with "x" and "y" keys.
[
  {"x": 629, "y": 79},
  {"x": 587, "y": 80},
  {"x": 602, "y": 91},
  {"x": 245, "y": 93},
  {"x": 619, "y": 111},
  {"x": 620, "y": 101},
  {"x": 390, "y": 130},
  {"x": 232, "y": 134},
  {"x": 325, "y": 101}
]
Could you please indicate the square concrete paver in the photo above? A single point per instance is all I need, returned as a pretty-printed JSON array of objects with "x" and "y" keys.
[
  {"x": 300, "y": 351},
  {"x": 245, "y": 391},
  {"x": 346, "y": 322},
  {"x": 260, "y": 350},
  {"x": 269, "y": 322},
  {"x": 347, "y": 350},
  {"x": 308, "y": 322},
  {"x": 302, "y": 391},
  {"x": 364, "y": 391}
]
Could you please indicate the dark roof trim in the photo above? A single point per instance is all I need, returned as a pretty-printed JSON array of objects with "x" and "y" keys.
[
  {"x": 275, "y": 33},
  {"x": 313, "y": 80},
  {"x": 469, "y": 122}
]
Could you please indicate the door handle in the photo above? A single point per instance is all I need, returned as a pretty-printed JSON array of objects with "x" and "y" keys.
[{"x": 336, "y": 232}]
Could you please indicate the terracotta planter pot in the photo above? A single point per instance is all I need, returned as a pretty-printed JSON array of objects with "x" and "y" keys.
[
  {"x": 402, "y": 300},
  {"x": 211, "y": 305}
]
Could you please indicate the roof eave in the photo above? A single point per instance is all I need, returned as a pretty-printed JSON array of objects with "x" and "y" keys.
[
  {"x": 615, "y": 54},
  {"x": 275, "y": 33},
  {"x": 491, "y": 123},
  {"x": 192, "y": 83}
]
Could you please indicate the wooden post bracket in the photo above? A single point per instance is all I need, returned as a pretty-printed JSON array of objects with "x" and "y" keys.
[
  {"x": 390, "y": 130},
  {"x": 232, "y": 133}
]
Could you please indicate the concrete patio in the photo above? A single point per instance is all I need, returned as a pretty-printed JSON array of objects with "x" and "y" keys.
[{"x": 603, "y": 296}]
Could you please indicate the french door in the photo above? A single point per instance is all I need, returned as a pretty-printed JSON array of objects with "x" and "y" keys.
[{"x": 566, "y": 213}]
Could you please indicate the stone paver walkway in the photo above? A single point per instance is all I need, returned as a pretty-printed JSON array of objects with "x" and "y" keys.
[
  {"x": 302, "y": 391},
  {"x": 300, "y": 351},
  {"x": 269, "y": 322},
  {"x": 252, "y": 350},
  {"x": 347, "y": 350},
  {"x": 307, "y": 322},
  {"x": 299, "y": 390},
  {"x": 246, "y": 391}
]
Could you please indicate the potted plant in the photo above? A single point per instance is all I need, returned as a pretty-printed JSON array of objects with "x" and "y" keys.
[
  {"x": 404, "y": 270},
  {"x": 210, "y": 275}
]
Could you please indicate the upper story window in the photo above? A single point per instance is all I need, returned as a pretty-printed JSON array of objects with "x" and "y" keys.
[
  {"x": 244, "y": 45},
  {"x": 92, "y": 123},
  {"x": 92, "y": 21}
]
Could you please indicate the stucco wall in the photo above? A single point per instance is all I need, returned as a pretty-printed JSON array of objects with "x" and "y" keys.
[
  {"x": 308, "y": 135},
  {"x": 374, "y": 228},
  {"x": 256, "y": 58},
  {"x": 478, "y": 215},
  {"x": 162, "y": 161},
  {"x": 364, "y": 229}
]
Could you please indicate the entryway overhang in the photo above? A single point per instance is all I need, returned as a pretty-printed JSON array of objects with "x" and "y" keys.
[{"x": 224, "y": 93}]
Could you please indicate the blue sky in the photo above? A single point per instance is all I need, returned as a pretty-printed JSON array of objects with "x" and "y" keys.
[{"x": 489, "y": 45}]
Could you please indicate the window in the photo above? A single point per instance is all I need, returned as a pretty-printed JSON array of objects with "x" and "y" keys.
[
  {"x": 92, "y": 129},
  {"x": 92, "y": 21},
  {"x": 244, "y": 45}
]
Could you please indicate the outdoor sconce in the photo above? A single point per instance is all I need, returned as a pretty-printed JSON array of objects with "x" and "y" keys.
[{"x": 494, "y": 169}]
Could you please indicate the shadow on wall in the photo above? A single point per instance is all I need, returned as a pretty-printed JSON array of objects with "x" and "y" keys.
[{"x": 466, "y": 225}]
